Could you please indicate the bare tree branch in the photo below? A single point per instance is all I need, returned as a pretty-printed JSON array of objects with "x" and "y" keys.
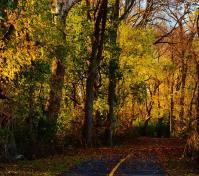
[{"x": 130, "y": 6}]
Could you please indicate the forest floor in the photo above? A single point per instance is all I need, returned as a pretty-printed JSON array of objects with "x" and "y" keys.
[{"x": 142, "y": 156}]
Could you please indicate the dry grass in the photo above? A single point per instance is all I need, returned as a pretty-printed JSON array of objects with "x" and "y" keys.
[{"x": 50, "y": 166}]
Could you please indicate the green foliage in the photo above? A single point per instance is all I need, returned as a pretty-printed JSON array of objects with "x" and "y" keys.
[
  {"x": 139, "y": 91},
  {"x": 155, "y": 128},
  {"x": 4, "y": 132},
  {"x": 136, "y": 42},
  {"x": 38, "y": 71},
  {"x": 162, "y": 128},
  {"x": 8, "y": 4},
  {"x": 46, "y": 129}
]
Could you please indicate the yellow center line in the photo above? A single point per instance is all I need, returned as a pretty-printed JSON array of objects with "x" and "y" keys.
[{"x": 118, "y": 165}]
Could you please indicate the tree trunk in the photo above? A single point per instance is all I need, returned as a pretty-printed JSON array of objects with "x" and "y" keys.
[
  {"x": 190, "y": 112},
  {"x": 111, "y": 103},
  {"x": 89, "y": 103},
  {"x": 198, "y": 98},
  {"x": 159, "y": 106},
  {"x": 197, "y": 69},
  {"x": 149, "y": 108},
  {"x": 57, "y": 68},
  {"x": 146, "y": 123},
  {"x": 171, "y": 118},
  {"x": 182, "y": 96},
  {"x": 74, "y": 95},
  {"x": 95, "y": 59},
  {"x": 56, "y": 85},
  {"x": 30, "y": 122},
  {"x": 113, "y": 67}
]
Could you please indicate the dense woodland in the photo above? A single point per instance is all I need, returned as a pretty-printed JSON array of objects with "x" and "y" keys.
[{"x": 87, "y": 73}]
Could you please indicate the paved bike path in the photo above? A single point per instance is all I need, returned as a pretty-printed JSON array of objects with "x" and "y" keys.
[
  {"x": 140, "y": 167},
  {"x": 129, "y": 167}
]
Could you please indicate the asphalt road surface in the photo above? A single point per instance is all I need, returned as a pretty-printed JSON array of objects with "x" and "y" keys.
[{"x": 118, "y": 165}]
